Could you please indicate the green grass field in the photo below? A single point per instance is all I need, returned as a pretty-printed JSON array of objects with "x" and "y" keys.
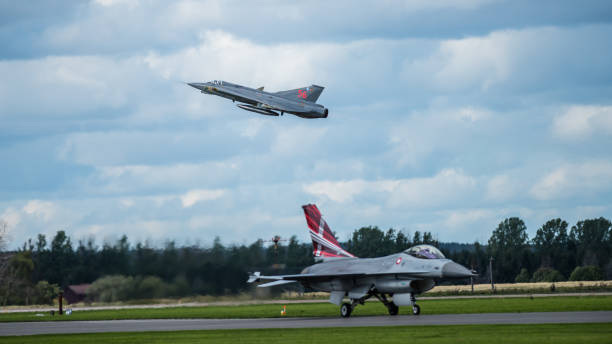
[
  {"x": 541, "y": 334},
  {"x": 444, "y": 306}
]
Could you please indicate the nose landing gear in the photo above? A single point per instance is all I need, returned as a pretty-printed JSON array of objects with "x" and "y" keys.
[{"x": 416, "y": 310}]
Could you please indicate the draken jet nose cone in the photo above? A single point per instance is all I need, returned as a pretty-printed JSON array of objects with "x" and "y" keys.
[
  {"x": 198, "y": 85},
  {"x": 454, "y": 270}
]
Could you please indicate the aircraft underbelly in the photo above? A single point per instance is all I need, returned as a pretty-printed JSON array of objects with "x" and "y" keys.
[
  {"x": 388, "y": 285},
  {"x": 333, "y": 285}
]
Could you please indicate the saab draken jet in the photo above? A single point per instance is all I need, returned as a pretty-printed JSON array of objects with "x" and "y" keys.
[
  {"x": 301, "y": 102},
  {"x": 394, "y": 280}
]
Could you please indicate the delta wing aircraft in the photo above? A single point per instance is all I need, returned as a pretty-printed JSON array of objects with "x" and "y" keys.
[
  {"x": 301, "y": 102},
  {"x": 394, "y": 280}
]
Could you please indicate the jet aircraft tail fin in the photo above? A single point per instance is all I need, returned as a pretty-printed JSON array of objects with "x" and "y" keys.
[
  {"x": 324, "y": 244},
  {"x": 310, "y": 93}
]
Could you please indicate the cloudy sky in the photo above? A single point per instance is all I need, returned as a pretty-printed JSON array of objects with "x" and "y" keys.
[{"x": 445, "y": 116}]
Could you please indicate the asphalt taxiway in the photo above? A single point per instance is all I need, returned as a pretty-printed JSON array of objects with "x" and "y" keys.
[{"x": 57, "y": 327}]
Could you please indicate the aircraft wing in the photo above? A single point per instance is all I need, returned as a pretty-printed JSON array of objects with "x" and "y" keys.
[
  {"x": 283, "y": 279},
  {"x": 264, "y": 101},
  {"x": 270, "y": 284},
  {"x": 256, "y": 277}
]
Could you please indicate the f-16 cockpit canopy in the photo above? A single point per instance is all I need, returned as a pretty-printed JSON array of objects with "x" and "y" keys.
[{"x": 425, "y": 252}]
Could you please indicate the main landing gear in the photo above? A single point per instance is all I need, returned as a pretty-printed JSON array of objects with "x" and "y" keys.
[{"x": 347, "y": 308}]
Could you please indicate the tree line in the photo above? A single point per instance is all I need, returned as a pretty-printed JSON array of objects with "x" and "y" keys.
[{"x": 120, "y": 270}]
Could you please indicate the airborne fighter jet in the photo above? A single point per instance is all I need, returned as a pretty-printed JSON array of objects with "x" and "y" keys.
[
  {"x": 300, "y": 102},
  {"x": 393, "y": 279}
]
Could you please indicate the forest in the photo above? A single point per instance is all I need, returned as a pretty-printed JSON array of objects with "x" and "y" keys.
[{"x": 121, "y": 270}]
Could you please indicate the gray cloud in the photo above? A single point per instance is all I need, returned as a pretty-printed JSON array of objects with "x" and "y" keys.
[{"x": 99, "y": 27}]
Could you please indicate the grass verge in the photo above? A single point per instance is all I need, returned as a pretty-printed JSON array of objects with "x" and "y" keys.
[
  {"x": 442, "y": 306},
  {"x": 541, "y": 334}
]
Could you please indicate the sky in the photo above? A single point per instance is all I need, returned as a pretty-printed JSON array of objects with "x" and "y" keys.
[{"x": 445, "y": 116}]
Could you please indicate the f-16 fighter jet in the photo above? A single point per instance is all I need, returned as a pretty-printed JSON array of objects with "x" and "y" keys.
[
  {"x": 301, "y": 102},
  {"x": 394, "y": 279}
]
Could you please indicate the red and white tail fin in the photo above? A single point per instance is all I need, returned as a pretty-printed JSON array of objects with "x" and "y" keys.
[{"x": 324, "y": 244}]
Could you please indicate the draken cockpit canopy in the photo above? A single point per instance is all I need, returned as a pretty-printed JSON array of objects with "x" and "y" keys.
[{"x": 425, "y": 252}]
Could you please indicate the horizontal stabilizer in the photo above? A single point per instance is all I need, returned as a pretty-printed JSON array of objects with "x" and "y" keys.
[
  {"x": 254, "y": 277},
  {"x": 271, "y": 284}
]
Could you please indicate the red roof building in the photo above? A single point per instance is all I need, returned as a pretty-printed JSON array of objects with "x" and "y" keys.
[{"x": 76, "y": 293}]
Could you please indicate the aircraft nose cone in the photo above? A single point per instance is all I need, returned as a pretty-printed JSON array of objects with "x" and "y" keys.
[
  {"x": 194, "y": 85},
  {"x": 454, "y": 270}
]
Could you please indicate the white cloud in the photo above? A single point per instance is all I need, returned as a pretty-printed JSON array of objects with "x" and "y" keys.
[
  {"x": 463, "y": 218},
  {"x": 231, "y": 58},
  {"x": 581, "y": 121},
  {"x": 42, "y": 209},
  {"x": 524, "y": 61},
  {"x": 65, "y": 86},
  {"x": 249, "y": 128},
  {"x": 194, "y": 196},
  {"x": 345, "y": 191},
  {"x": 501, "y": 187},
  {"x": 471, "y": 114},
  {"x": 297, "y": 139},
  {"x": 145, "y": 87},
  {"x": 573, "y": 180},
  {"x": 444, "y": 187},
  {"x": 11, "y": 217},
  {"x": 447, "y": 186},
  {"x": 480, "y": 62},
  {"x": 438, "y": 128},
  {"x": 128, "y": 25},
  {"x": 116, "y": 148},
  {"x": 127, "y": 179}
]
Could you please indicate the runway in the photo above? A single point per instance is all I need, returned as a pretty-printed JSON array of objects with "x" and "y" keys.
[{"x": 57, "y": 327}]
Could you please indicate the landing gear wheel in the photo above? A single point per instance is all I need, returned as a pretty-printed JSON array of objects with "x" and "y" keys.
[
  {"x": 393, "y": 308},
  {"x": 345, "y": 310},
  {"x": 416, "y": 310}
]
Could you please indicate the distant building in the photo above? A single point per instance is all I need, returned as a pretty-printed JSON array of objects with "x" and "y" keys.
[{"x": 76, "y": 293}]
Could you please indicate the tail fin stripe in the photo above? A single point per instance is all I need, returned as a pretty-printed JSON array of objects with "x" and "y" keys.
[
  {"x": 323, "y": 241},
  {"x": 318, "y": 242},
  {"x": 321, "y": 227}
]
